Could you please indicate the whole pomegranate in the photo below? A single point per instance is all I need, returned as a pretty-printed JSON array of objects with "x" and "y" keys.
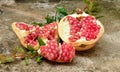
[
  {"x": 81, "y": 30},
  {"x": 52, "y": 50}
]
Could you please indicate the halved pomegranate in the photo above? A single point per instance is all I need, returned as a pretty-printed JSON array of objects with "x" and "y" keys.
[
  {"x": 28, "y": 34},
  {"x": 81, "y": 30}
]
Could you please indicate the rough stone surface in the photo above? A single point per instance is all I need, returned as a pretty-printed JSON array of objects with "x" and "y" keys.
[{"x": 103, "y": 57}]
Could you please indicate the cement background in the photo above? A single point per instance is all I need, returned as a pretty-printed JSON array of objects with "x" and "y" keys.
[{"x": 103, "y": 57}]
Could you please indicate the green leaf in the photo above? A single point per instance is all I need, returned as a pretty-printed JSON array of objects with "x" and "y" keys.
[
  {"x": 15, "y": 50},
  {"x": 6, "y": 59},
  {"x": 73, "y": 11},
  {"x": 18, "y": 50},
  {"x": 26, "y": 61},
  {"x": 62, "y": 11},
  {"x": 92, "y": 7},
  {"x": 36, "y": 23},
  {"x": 49, "y": 19},
  {"x": 21, "y": 50},
  {"x": 34, "y": 53},
  {"x": 38, "y": 59},
  {"x": 3, "y": 58},
  {"x": 59, "y": 40},
  {"x": 29, "y": 54},
  {"x": 41, "y": 42},
  {"x": 30, "y": 48},
  {"x": 58, "y": 17},
  {"x": 10, "y": 59}
]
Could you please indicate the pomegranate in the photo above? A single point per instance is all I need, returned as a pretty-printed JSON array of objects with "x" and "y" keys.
[
  {"x": 57, "y": 52},
  {"x": 81, "y": 30},
  {"x": 28, "y": 34}
]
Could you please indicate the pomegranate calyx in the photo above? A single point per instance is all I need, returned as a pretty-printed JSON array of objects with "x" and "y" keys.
[{"x": 79, "y": 11}]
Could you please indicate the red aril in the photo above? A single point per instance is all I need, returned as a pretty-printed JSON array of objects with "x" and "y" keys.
[
  {"x": 81, "y": 30},
  {"x": 22, "y": 26},
  {"x": 50, "y": 31}
]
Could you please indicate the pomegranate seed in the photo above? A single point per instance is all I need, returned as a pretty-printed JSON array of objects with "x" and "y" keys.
[
  {"x": 68, "y": 52},
  {"x": 87, "y": 26},
  {"x": 48, "y": 31},
  {"x": 22, "y": 26},
  {"x": 53, "y": 52}
]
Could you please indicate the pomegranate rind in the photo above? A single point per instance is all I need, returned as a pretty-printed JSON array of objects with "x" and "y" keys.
[
  {"x": 21, "y": 34},
  {"x": 78, "y": 48},
  {"x": 64, "y": 33}
]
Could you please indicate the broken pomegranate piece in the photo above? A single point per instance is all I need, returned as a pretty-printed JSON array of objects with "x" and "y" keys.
[
  {"x": 57, "y": 52},
  {"x": 28, "y": 34}
]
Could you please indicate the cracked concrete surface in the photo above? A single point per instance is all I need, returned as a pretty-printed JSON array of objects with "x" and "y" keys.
[{"x": 103, "y": 57}]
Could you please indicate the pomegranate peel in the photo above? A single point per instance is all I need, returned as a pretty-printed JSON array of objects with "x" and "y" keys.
[{"x": 68, "y": 24}]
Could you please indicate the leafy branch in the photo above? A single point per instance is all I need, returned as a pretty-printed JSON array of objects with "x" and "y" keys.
[
  {"x": 60, "y": 13},
  {"x": 92, "y": 8},
  {"x": 19, "y": 53}
]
